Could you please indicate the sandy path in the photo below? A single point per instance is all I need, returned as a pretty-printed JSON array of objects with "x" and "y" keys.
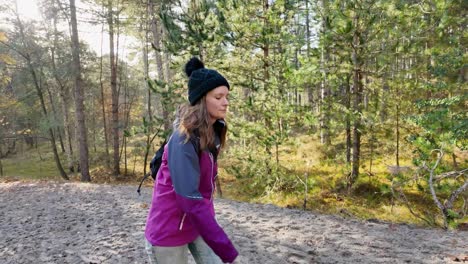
[{"x": 45, "y": 222}]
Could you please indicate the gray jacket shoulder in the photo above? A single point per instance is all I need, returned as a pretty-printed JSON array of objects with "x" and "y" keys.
[{"x": 184, "y": 167}]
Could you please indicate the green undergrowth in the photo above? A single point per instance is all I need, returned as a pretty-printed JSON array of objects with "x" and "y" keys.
[
  {"x": 305, "y": 162},
  {"x": 34, "y": 163},
  {"x": 243, "y": 177},
  {"x": 39, "y": 164}
]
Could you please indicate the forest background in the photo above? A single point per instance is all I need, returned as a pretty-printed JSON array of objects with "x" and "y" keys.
[{"x": 353, "y": 107}]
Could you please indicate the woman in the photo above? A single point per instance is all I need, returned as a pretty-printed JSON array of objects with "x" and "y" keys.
[{"x": 182, "y": 213}]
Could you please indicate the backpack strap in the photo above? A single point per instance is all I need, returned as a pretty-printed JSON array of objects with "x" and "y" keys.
[
  {"x": 157, "y": 159},
  {"x": 141, "y": 182},
  {"x": 155, "y": 162}
]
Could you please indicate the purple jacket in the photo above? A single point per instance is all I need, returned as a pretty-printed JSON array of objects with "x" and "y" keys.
[{"x": 182, "y": 206}]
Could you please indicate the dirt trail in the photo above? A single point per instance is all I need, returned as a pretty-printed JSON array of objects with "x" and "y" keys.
[{"x": 47, "y": 222}]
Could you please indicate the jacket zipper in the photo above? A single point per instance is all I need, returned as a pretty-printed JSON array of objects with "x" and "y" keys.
[
  {"x": 212, "y": 179},
  {"x": 182, "y": 222}
]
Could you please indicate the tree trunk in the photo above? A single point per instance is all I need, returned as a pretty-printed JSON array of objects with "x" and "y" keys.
[
  {"x": 149, "y": 12},
  {"x": 1, "y": 155},
  {"x": 324, "y": 87},
  {"x": 62, "y": 145},
  {"x": 127, "y": 109},
  {"x": 219, "y": 191},
  {"x": 125, "y": 156},
  {"x": 397, "y": 153},
  {"x": 266, "y": 78},
  {"x": 68, "y": 132},
  {"x": 454, "y": 160},
  {"x": 371, "y": 146},
  {"x": 169, "y": 74},
  {"x": 385, "y": 92},
  {"x": 54, "y": 115},
  {"x": 115, "y": 94},
  {"x": 397, "y": 125},
  {"x": 384, "y": 99},
  {"x": 357, "y": 91},
  {"x": 157, "y": 31},
  {"x": 103, "y": 106},
  {"x": 146, "y": 72},
  {"x": 348, "y": 121},
  {"x": 79, "y": 98},
  {"x": 167, "y": 62},
  {"x": 41, "y": 99},
  {"x": 309, "y": 89},
  {"x": 51, "y": 133},
  {"x": 94, "y": 127}
]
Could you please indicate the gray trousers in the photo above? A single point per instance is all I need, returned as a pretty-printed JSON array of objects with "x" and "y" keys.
[{"x": 201, "y": 252}]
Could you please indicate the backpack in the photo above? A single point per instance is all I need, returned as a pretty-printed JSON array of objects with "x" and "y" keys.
[{"x": 155, "y": 163}]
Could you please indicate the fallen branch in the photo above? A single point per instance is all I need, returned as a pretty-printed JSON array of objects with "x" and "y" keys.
[
  {"x": 454, "y": 174},
  {"x": 406, "y": 202},
  {"x": 446, "y": 207}
]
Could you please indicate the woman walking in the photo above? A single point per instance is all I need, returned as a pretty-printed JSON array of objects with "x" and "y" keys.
[{"x": 182, "y": 216}]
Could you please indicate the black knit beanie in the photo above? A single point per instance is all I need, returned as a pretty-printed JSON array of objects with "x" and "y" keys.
[{"x": 201, "y": 80}]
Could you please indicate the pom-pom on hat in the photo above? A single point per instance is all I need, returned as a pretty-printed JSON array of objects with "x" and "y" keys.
[{"x": 202, "y": 80}]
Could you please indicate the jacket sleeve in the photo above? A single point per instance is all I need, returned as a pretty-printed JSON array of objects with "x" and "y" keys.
[{"x": 185, "y": 175}]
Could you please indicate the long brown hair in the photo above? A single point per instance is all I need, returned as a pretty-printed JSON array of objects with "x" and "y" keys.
[{"x": 196, "y": 119}]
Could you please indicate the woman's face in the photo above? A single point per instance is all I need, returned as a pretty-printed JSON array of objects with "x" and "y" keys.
[{"x": 217, "y": 102}]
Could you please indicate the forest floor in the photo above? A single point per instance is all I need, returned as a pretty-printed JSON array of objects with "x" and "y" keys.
[{"x": 56, "y": 222}]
